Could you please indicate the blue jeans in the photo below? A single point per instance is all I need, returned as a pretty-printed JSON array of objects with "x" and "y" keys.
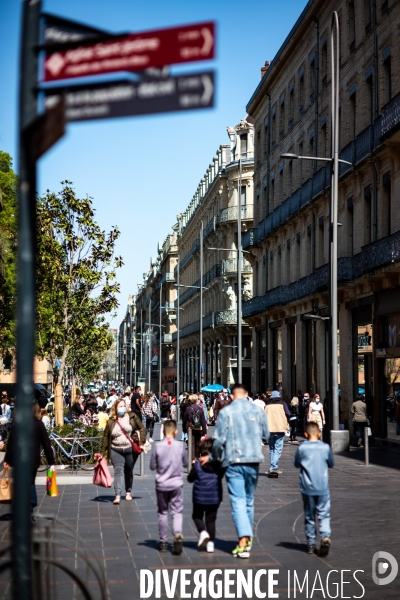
[
  {"x": 319, "y": 506},
  {"x": 242, "y": 482},
  {"x": 275, "y": 449}
]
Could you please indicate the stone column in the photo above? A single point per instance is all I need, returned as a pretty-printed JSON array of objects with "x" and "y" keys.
[{"x": 286, "y": 370}]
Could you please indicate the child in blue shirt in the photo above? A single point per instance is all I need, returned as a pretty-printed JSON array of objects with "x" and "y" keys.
[{"x": 313, "y": 459}]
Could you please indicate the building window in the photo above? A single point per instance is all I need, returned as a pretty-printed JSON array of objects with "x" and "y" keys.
[
  {"x": 321, "y": 241},
  {"x": 367, "y": 16},
  {"x": 273, "y": 129},
  {"x": 385, "y": 7},
  {"x": 243, "y": 146},
  {"x": 324, "y": 62},
  {"x": 266, "y": 137},
  {"x": 387, "y": 68},
  {"x": 353, "y": 112},
  {"x": 367, "y": 215},
  {"x": 386, "y": 204},
  {"x": 282, "y": 119},
  {"x": 352, "y": 28},
  {"x": 272, "y": 196},
  {"x": 324, "y": 151},
  {"x": 312, "y": 78},
  {"x": 258, "y": 158},
  {"x": 243, "y": 195},
  {"x": 290, "y": 177},
  {"x": 281, "y": 192},
  {"x": 301, "y": 92},
  {"x": 266, "y": 272},
  {"x": 291, "y": 106},
  {"x": 266, "y": 202},
  {"x": 300, "y": 164},
  {"x": 370, "y": 97},
  {"x": 350, "y": 226}
]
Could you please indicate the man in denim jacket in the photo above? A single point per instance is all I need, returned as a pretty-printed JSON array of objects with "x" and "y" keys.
[{"x": 240, "y": 429}]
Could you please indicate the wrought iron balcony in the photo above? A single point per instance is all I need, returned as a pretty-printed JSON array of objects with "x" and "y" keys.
[
  {"x": 210, "y": 228},
  {"x": 229, "y": 214},
  {"x": 306, "y": 286},
  {"x": 189, "y": 256},
  {"x": 249, "y": 238},
  {"x": 391, "y": 116},
  {"x": 372, "y": 256},
  {"x": 229, "y": 265}
]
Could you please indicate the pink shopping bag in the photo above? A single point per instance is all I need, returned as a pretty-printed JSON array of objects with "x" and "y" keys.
[{"x": 102, "y": 475}]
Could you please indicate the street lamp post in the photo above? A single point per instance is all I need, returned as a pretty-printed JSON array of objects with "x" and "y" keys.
[
  {"x": 339, "y": 439},
  {"x": 178, "y": 358},
  {"x": 239, "y": 274},
  {"x": 149, "y": 330},
  {"x": 201, "y": 302},
  {"x": 160, "y": 350}
]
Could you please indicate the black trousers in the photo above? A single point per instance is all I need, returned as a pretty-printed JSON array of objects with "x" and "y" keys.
[
  {"x": 293, "y": 429},
  {"x": 210, "y": 511},
  {"x": 197, "y": 434},
  {"x": 150, "y": 425}
]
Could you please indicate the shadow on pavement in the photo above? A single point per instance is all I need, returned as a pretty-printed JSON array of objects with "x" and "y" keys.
[
  {"x": 379, "y": 456},
  {"x": 293, "y": 546}
]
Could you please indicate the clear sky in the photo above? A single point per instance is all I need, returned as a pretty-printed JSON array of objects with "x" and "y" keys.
[{"x": 143, "y": 171}]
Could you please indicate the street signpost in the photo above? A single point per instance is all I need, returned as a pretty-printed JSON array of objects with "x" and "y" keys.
[
  {"x": 133, "y": 52},
  {"x": 75, "y": 50},
  {"x": 128, "y": 98}
]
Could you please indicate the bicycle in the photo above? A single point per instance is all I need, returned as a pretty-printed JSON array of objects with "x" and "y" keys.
[{"x": 73, "y": 451}]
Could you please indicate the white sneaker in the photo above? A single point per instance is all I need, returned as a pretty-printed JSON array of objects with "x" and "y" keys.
[
  {"x": 151, "y": 440},
  {"x": 210, "y": 547},
  {"x": 203, "y": 539}
]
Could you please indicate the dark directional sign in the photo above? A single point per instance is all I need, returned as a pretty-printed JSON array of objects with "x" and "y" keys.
[
  {"x": 133, "y": 52},
  {"x": 128, "y": 98},
  {"x": 58, "y": 32}
]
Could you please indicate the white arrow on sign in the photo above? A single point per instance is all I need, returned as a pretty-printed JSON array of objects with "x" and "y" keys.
[
  {"x": 208, "y": 89},
  {"x": 208, "y": 41}
]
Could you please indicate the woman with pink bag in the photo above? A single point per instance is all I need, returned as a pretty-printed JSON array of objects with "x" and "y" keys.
[{"x": 117, "y": 446}]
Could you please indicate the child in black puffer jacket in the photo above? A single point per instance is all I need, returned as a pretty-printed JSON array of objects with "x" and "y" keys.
[{"x": 207, "y": 496}]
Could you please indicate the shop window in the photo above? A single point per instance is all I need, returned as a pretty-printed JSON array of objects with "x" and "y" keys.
[
  {"x": 262, "y": 360},
  {"x": 392, "y": 378}
]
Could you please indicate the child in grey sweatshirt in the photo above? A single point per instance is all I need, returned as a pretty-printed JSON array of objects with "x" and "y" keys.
[
  {"x": 313, "y": 459},
  {"x": 168, "y": 459}
]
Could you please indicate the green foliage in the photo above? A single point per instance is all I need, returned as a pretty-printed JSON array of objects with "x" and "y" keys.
[
  {"x": 68, "y": 428},
  {"x": 8, "y": 235},
  {"x": 76, "y": 282}
]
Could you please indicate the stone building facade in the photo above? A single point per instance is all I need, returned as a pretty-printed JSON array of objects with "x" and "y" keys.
[
  {"x": 155, "y": 321},
  {"x": 215, "y": 203},
  {"x": 289, "y": 242}
]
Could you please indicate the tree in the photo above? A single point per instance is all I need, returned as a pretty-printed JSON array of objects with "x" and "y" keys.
[
  {"x": 75, "y": 281},
  {"x": 8, "y": 236}
]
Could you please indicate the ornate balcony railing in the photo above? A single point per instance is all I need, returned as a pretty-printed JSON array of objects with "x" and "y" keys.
[
  {"x": 230, "y": 213},
  {"x": 249, "y": 238},
  {"x": 214, "y": 272},
  {"x": 210, "y": 228},
  {"x": 229, "y": 265},
  {"x": 391, "y": 116},
  {"x": 306, "y": 286},
  {"x": 372, "y": 256},
  {"x": 189, "y": 256}
]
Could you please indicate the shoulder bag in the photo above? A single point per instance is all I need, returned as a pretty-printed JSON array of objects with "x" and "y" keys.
[{"x": 136, "y": 449}]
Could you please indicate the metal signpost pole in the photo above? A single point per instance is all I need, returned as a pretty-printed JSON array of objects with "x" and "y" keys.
[
  {"x": 239, "y": 275},
  {"x": 141, "y": 343},
  {"x": 23, "y": 428},
  {"x": 160, "y": 349},
  {"x": 201, "y": 305},
  {"x": 178, "y": 358}
]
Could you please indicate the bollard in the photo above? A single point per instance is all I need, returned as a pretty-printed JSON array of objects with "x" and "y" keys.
[
  {"x": 366, "y": 446},
  {"x": 141, "y": 458},
  {"x": 190, "y": 449}
]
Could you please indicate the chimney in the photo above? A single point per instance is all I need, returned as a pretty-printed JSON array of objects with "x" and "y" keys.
[{"x": 264, "y": 69}]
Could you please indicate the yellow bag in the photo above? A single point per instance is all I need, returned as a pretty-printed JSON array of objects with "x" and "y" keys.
[
  {"x": 6, "y": 487},
  {"x": 51, "y": 483}
]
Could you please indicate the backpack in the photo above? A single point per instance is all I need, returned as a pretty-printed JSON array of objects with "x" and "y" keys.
[
  {"x": 195, "y": 420},
  {"x": 164, "y": 405}
]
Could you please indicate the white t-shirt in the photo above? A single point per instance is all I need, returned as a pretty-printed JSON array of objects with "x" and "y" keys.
[
  {"x": 316, "y": 407},
  {"x": 259, "y": 403}
]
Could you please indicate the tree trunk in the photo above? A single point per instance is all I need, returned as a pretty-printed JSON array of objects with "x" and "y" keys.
[{"x": 59, "y": 405}]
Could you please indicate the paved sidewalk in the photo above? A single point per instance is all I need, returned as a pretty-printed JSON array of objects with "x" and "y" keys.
[{"x": 365, "y": 507}]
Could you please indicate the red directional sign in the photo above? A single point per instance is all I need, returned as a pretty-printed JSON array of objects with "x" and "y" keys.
[{"x": 134, "y": 52}]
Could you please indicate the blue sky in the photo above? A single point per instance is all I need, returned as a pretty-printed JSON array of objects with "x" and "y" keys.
[{"x": 143, "y": 171}]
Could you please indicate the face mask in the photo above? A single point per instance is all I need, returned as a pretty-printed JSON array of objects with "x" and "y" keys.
[
  {"x": 121, "y": 411},
  {"x": 317, "y": 399}
]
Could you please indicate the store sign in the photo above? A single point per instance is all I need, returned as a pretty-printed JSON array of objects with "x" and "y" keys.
[{"x": 364, "y": 340}]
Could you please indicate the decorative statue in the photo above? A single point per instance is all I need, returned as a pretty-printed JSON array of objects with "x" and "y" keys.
[{"x": 247, "y": 291}]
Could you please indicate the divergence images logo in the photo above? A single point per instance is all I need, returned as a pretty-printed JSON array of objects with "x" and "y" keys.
[{"x": 380, "y": 568}]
